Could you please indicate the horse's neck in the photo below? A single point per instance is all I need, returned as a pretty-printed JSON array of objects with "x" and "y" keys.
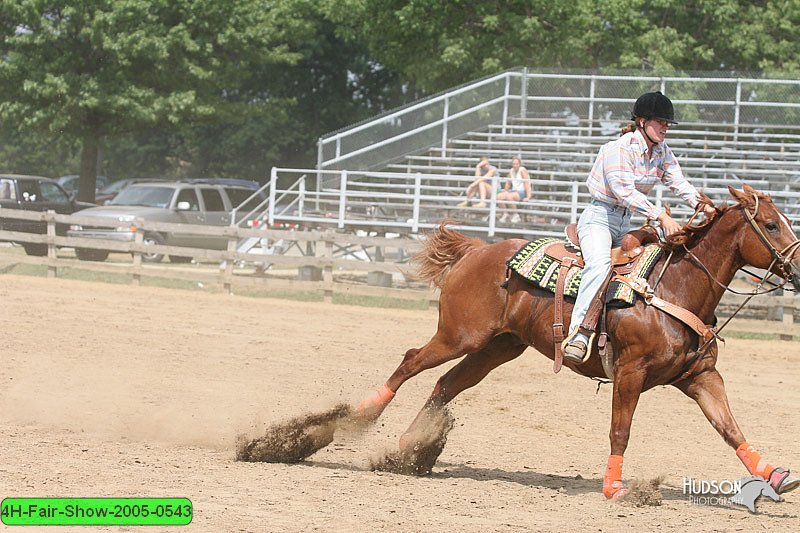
[{"x": 687, "y": 284}]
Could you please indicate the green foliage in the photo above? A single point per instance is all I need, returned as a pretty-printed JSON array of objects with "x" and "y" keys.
[
  {"x": 441, "y": 44},
  {"x": 98, "y": 68},
  {"x": 106, "y": 66},
  {"x": 177, "y": 88}
]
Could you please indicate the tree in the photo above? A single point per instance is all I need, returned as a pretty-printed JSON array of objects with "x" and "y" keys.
[
  {"x": 442, "y": 44},
  {"x": 96, "y": 68},
  {"x": 334, "y": 84}
]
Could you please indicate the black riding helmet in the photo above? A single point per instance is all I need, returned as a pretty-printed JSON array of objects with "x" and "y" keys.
[{"x": 654, "y": 105}]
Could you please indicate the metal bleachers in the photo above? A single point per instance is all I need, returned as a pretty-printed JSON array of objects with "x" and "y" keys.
[{"x": 406, "y": 170}]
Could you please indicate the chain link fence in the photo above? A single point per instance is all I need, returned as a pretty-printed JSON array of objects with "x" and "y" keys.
[{"x": 746, "y": 108}]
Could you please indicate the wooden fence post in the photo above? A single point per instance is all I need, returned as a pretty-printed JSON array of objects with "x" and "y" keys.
[
  {"x": 230, "y": 257},
  {"x": 327, "y": 271},
  {"x": 138, "y": 241},
  {"x": 788, "y": 304},
  {"x": 50, "y": 217}
]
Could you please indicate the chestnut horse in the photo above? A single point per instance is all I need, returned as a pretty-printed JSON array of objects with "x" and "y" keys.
[{"x": 489, "y": 323}]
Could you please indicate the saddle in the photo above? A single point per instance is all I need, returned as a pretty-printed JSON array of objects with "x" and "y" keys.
[
  {"x": 568, "y": 255},
  {"x": 623, "y": 260},
  {"x": 633, "y": 244}
]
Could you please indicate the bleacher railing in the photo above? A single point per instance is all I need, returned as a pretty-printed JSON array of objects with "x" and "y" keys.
[
  {"x": 591, "y": 101},
  {"x": 409, "y": 203},
  {"x": 428, "y": 122}
]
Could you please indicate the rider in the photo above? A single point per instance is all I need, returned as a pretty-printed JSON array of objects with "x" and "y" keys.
[{"x": 624, "y": 172}]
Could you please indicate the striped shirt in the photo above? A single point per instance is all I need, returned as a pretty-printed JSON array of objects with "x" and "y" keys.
[{"x": 623, "y": 174}]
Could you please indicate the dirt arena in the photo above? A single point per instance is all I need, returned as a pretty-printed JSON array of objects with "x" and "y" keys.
[{"x": 124, "y": 391}]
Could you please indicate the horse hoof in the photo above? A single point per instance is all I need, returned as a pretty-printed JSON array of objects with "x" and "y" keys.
[
  {"x": 615, "y": 491},
  {"x": 783, "y": 481},
  {"x": 620, "y": 494}
]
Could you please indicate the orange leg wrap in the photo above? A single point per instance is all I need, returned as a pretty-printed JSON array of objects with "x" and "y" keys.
[
  {"x": 612, "y": 481},
  {"x": 373, "y": 406},
  {"x": 753, "y": 461}
]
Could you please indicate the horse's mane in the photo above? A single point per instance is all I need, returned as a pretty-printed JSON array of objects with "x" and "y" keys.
[
  {"x": 443, "y": 248},
  {"x": 691, "y": 234}
]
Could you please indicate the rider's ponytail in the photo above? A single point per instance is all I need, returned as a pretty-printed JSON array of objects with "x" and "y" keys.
[{"x": 627, "y": 129}]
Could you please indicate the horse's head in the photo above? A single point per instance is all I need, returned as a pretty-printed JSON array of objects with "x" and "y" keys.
[{"x": 770, "y": 242}]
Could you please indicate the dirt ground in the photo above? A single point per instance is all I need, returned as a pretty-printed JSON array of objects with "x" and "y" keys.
[{"x": 110, "y": 390}]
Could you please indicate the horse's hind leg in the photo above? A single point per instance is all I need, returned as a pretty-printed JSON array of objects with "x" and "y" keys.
[
  {"x": 708, "y": 390},
  {"x": 467, "y": 373},
  {"x": 440, "y": 349}
]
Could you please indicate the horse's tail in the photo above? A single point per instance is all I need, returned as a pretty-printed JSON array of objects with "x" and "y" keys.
[{"x": 443, "y": 248}]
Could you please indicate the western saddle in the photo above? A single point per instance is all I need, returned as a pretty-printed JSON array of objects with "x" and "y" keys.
[{"x": 568, "y": 254}]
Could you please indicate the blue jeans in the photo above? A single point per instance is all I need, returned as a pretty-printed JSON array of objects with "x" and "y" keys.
[{"x": 600, "y": 227}]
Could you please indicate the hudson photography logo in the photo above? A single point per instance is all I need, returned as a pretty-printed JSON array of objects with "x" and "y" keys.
[{"x": 726, "y": 492}]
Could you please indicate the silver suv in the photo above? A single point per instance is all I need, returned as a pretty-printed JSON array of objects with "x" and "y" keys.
[{"x": 175, "y": 202}]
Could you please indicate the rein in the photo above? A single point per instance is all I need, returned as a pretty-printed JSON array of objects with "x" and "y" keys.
[{"x": 781, "y": 258}]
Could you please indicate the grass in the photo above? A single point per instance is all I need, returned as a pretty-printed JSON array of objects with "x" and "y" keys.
[
  {"x": 168, "y": 283},
  {"x": 378, "y": 301},
  {"x": 99, "y": 277},
  {"x": 752, "y": 335},
  {"x": 301, "y": 296}
]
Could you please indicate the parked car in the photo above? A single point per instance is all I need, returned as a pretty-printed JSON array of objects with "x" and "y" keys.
[
  {"x": 176, "y": 202},
  {"x": 35, "y": 193},
  {"x": 239, "y": 191},
  {"x": 70, "y": 183},
  {"x": 228, "y": 182},
  {"x": 107, "y": 193}
]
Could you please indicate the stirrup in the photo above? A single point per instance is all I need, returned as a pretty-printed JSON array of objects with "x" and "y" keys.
[
  {"x": 586, "y": 354},
  {"x": 575, "y": 351}
]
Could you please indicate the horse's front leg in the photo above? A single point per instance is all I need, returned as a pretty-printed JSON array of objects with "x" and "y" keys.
[
  {"x": 627, "y": 389},
  {"x": 708, "y": 390}
]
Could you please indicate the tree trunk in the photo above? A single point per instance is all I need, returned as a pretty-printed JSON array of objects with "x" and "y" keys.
[{"x": 88, "y": 179}]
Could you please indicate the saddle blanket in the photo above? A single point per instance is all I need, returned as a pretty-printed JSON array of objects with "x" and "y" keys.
[{"x": 534, "y": 265}]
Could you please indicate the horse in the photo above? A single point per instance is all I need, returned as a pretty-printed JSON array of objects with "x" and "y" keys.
[{"x": 489, "y": 319}]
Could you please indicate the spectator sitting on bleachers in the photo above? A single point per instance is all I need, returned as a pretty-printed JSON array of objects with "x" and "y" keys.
[
  {"x": 516, "y": 189},
  {"x": 482, "y": 186}
]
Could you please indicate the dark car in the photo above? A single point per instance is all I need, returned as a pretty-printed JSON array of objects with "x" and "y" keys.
[
  {"x": 34, "y": 193},
  {"x": 70, "y": 183}
]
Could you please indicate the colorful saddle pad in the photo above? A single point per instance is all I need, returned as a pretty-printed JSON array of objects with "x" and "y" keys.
[{"x": 534, "y": 265}]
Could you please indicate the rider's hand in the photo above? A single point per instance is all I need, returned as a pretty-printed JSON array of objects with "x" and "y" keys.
[
  {"x": 668, "y": 224},
  {"x": 709, "y": 211}
]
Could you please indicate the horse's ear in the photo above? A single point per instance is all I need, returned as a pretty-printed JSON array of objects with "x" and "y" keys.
[
  {"x": 707, "y": 199},
  {"x": 744, "y": 197}
]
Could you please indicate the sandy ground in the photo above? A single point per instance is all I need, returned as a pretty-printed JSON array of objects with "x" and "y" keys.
[{"x": 109, "y": 390}]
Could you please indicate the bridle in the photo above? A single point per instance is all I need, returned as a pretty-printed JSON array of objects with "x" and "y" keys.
[
  {"x": 783, "y": 257},
  {"x": 779, "y": 257}
]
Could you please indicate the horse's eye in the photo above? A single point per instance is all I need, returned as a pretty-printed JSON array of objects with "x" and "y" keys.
[{"x": 771, "y": 227}]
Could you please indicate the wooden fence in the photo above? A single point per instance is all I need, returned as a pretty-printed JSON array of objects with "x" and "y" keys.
[
  {"x": 329, "y": 247},
  {"x": 336, "y": 272}
]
